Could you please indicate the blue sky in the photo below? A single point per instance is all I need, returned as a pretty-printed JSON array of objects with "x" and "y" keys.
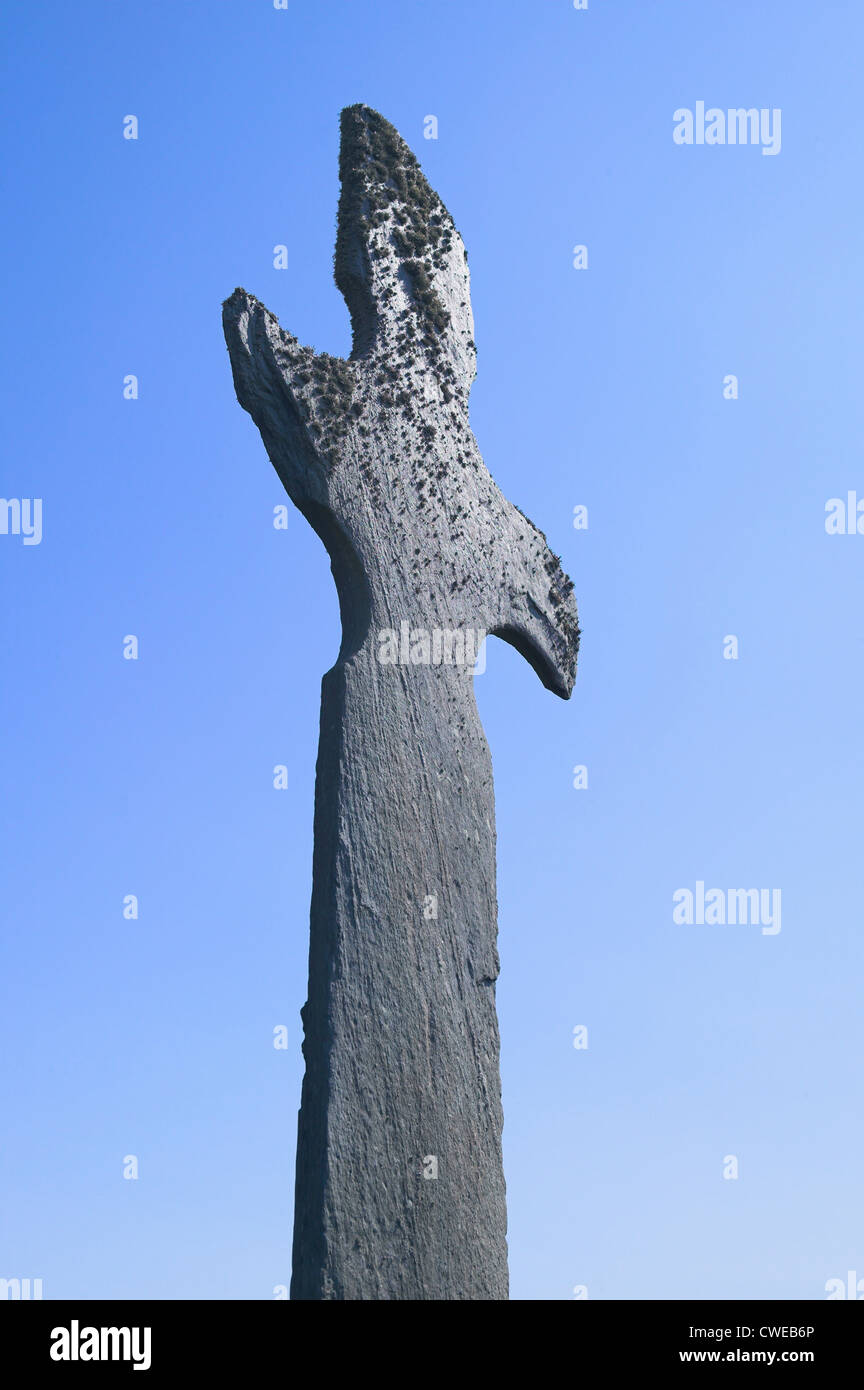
[{"x": 600, "y": 387}]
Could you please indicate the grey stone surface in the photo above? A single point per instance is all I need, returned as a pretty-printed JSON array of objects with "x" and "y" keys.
[{"x": 401, "y": 1035}]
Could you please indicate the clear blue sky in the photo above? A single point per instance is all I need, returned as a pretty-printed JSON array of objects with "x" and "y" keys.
[{"x": 601, "y": 387}]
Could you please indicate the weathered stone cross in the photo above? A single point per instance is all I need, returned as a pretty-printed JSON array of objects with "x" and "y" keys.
[{"x": 400, "y": 1186}]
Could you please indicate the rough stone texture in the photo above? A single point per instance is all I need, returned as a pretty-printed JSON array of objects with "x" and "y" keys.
[{"x": 401, "y": 1036}]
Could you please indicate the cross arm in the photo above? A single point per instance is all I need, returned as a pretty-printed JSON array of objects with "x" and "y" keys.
[
  {"x": 300, "y": 400},
  {"x": 537, "y": 614}
]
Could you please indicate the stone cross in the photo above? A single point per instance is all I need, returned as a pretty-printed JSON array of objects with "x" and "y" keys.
[{"x": 400, "y": 1185}]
